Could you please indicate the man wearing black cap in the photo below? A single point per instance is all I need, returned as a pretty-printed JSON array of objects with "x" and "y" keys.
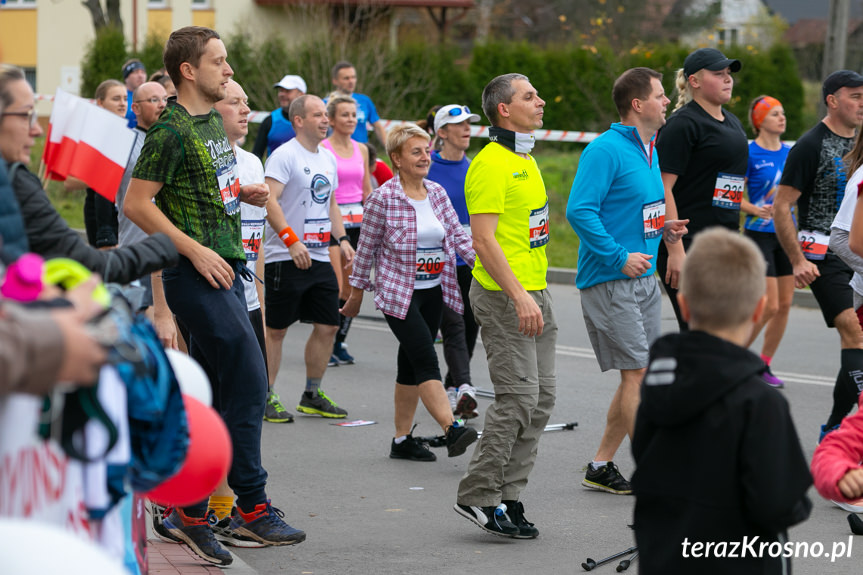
[
  {"x": 134, "y": 74},
  {"x": 815, "y": 178},
  {"x": 276, "y": 129}
]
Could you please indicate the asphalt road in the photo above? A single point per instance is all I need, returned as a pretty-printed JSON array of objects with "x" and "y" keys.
[{"x": 366, "y": 513}]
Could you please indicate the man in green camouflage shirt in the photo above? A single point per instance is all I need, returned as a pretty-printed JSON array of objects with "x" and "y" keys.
[{"x": 188, "y": 166}]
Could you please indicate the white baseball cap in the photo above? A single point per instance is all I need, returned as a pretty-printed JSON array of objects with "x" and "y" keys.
[
  {"x": 453, "y": 114},
  {"x": 291, "y": 82}
]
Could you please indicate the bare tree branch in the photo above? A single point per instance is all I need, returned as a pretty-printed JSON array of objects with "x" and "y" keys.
[
  {"x": 114, "y": 18},
  {"x": 97, "y": 14}
]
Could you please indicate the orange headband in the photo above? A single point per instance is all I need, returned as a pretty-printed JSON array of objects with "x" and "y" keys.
[{"x": 761, "y": 109}]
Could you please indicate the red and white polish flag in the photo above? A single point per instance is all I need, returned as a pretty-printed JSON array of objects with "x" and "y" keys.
[
  {"x": 89, "y": 143},
  {"x": 58, "y": 128}
]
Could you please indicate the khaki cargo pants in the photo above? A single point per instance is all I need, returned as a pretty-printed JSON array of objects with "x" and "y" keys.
[{"x": 522, "y": 371}]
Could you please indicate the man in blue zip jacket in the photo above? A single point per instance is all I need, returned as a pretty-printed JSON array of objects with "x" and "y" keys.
[{"x": 617, "y": 208}]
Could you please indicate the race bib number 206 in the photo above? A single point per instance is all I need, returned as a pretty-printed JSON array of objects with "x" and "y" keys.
[
  {"x": 430, "y": 263},
  {"x": 539, "y": 226}
]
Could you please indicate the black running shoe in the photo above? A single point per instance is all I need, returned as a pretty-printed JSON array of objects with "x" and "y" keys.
[
  {"x": 196, "y": 533},
  {"x": 318, "y": 403},
  {"x": 515, "y": 513},
  {"x": 459, "y": 437},
  {"x": 411, "y": 449},
  {"x": 491, "y": 519},
  {"x": 607, "y": 478},
  {"x": 274, "y": 411}
]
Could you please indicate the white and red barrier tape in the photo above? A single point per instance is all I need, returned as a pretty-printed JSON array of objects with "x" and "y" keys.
[{"x": 256, "y": 117}]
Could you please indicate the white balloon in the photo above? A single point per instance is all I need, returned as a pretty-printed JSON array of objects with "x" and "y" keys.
[
  {"x": 191, "y": 376},
  {"x": 31, "y": 547}
]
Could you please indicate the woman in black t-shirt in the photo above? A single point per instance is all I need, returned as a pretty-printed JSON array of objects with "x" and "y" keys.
[{"x": 703, "y": 153}]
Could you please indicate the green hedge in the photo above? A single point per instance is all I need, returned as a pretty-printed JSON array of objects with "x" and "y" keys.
[
  {"x": 575, "y": 82},
  {"x": 106, "y": 54}
]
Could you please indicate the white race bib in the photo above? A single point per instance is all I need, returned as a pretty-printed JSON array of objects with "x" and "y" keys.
[
  {"x": 253, "y": 234},
  {"x": 653, "y": 215},
  {"x": 352, "y": 215},
  {"x": 316, "y": 233},
  {"x": 430, "y": 262},
  {"x": 728, "y": 191},
  {"x": 229, "y": 187},
  {"x": 539, "y": 226},
  {"x": 813, "y": 244}
]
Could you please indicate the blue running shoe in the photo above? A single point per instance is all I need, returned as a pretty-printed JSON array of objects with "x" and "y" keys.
[
  {"x": 265, "y": 525},
  {"x": 196, "y": 533}
]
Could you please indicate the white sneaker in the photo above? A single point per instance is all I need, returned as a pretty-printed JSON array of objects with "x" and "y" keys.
[
  {"x": 855, "y": 506},
  {"x": 452, "y": 394},
  {"x": 466, "y": 401}
]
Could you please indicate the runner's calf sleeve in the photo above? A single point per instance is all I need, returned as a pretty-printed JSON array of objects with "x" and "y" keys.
[{"x": 849, "y": 383}]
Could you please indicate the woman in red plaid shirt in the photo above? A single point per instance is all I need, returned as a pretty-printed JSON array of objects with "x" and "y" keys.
[{"x": 411, "y": 234}]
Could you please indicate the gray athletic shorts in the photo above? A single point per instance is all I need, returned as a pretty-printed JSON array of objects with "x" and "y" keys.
[{"x": 623, "y": 320}]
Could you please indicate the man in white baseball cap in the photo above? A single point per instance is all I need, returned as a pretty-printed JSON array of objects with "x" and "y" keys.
[{"x": 276, "y": 129}]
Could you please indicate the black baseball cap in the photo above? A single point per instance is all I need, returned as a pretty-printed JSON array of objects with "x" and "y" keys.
[
  {"x": 840, "y": 79},
  {"x": 710, "y": 59}
]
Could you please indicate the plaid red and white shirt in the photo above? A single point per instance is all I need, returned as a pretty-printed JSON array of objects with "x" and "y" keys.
[{"x": 388, "y": 241}]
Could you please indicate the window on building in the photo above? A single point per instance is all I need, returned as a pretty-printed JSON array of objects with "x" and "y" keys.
[
  {"x": 157, "y": 4},
  {"x": 200, "y": 4},
  {"x": 734, "y": 39},
  {"x": 721, "y": 35},
  {"x": 19, "y": 3},
  {"x": 30, "y": 76}
]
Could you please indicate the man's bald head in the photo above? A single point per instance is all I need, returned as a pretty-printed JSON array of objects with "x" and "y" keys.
[{"x": 148, "y": 101}]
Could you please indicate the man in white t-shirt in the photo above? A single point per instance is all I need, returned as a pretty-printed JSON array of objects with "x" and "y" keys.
[
  {"x": 235, "y": 110},
  {"x": 300, "y": 283}
]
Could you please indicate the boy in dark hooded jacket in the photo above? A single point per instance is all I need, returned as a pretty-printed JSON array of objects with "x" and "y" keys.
[{"x": 707, "y": 419}]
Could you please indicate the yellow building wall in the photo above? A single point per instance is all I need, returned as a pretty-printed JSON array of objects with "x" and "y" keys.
[
  {"x": 206, "y": 18},
  {"x": 294, "y": 24},
  {"x": 18, "y": 37},
  {"x": 160, "y": 23}
]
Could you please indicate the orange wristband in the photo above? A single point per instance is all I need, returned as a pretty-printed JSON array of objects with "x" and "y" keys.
[{"x": 288, "y": 236}]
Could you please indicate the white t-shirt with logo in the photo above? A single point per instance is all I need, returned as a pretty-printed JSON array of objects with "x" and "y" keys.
[
  {"x": 309, "y": 179},
  {"x": 253, "y": 219}
]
